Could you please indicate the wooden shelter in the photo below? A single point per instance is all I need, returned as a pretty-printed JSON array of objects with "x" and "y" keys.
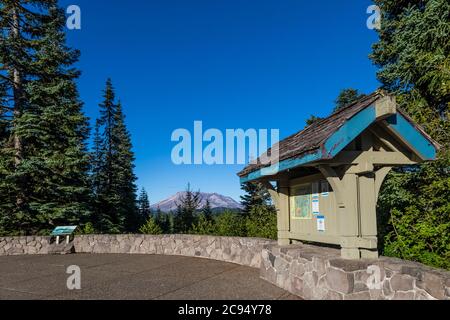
[{"x": 326, "y": 182}]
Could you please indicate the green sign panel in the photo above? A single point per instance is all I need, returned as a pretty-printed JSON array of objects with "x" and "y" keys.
[{"x": 63, "y": 231}]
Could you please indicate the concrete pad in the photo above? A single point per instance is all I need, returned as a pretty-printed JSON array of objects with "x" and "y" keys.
[{"x": 141, "y": 277}]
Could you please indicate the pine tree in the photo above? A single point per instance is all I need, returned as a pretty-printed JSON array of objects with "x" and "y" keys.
[
  {"x": 312, "y": 119},
  {"x": 144, "y": 205},
  {"x": 207, "y": 211},
  {"x": 185, "y": 216},
  {"x": 151, "y": 227},
  {"x": 347, "y": 97},
  {"x": 113, "y": 177},
  {"x": 164, "y": 220},
  {"x": 123, "y": 171},
  {"x": 256, "y": 195},
  {"x": 413, "y": 54},
  {"x": 44, "y": 161},
  {"x": 107, "y": 219}
]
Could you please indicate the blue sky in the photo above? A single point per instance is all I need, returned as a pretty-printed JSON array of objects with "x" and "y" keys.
[{"x": 229, "y": 63}]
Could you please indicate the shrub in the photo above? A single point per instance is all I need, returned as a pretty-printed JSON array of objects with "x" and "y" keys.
[
  {"x": 88, "y": 228},
  {"x": 204, "y": 226},
  {"x": 150, "y": 227},
  {"x": 230, "y": 224},
  {"x": 262, "y": 222}
]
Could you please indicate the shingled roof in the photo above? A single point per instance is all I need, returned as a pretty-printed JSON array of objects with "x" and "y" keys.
[{"x": 312, "y": 139}]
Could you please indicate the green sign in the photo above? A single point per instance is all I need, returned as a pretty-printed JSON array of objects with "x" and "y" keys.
[{"x": 63, "y": 231}]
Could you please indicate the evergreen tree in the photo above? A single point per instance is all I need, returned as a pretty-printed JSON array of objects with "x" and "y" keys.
[
  {"x": 151, "y": 227},
  {"x": 123, "y": 174},
  {"x": 164, "y": 220},
  {"x": 230, "y": 224},
  {"x": 262, "y": 222},
  {"x": 413, "y": 54},
  {"x": 144, "y": 205},
  {"x": 185, "y": 216},
  {"x": 256, "y": 195},
  {"x": 203, "y": 226},
  {"x": 44, "y": 161},
  {"x": 207, "y": 211},
  {"x": 312, "y": 119},
  {"x": 113, "y": 177},
  {"x": 347, "y": 97}
]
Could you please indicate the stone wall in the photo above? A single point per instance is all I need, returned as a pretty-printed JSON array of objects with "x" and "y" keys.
[
  {"x": 243, "y": 251},
  {"x": 313, "y": 272},
  {"x": 24, "y": 245},
  {"x": 310, "y": 272}
]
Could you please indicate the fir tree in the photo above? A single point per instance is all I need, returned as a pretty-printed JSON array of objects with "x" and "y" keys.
[
  {"x": 347, "y": 97},
  {"x": 312, "y": 119},
  {"x": 207, "y": 211},
  {"x": 144, "y": 205},
  {"x": 44, "y": 161},
  {"x": 114, "y": 178},
  {"x": 413, "y": 54},
  {"x": 123, "y": 171},
  {"x": 255, "y": 195},
  {"x": 185, "y": 216},
  {"x": 151, "y": 227},
  {"x": 164, "y": 220}
]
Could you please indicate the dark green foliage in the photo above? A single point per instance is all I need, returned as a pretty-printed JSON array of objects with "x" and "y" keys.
[
  {"x": 256, "y": 195},
  {"x": 43, "y": 132},
  {"x": 413, "y": 54},
  {"x": 144, "y": 205},
  {"x": 230, "y": 224},
  {"x": 207, "y": 211},
  {"x": 187, "y": 208},
  {"x": 151, "y": 227},
  {"x": 262, "y": 223},
  {"x": 312, "y": 119},
  {"x": 164, "y": 220},
  {"x": 88, "y": 228},
  {"x": 204, "y": 226},
  {"x": 113, "y": 179},
  {"x": 347, "y": 97}
]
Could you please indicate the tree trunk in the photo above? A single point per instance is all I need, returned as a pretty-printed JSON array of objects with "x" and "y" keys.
[{"x": 18, "y": 104}]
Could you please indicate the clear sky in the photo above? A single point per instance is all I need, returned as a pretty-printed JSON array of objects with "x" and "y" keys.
[{"x": 229, "y": 63}]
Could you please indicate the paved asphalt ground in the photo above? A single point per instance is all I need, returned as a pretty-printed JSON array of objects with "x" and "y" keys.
[{"x": 119, "y": 277}]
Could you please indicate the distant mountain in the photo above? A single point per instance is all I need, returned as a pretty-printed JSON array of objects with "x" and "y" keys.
[{"x": 217, "y": 201}]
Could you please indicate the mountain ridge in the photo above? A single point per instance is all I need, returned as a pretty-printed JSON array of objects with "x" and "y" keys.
[{"x": 216, "y": 200}]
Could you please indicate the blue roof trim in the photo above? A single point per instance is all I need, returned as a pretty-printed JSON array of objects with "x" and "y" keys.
[
  {"x": 282, "y": 166},
  {"x": 351, "y": 129},
  {"x": 412, "y": 136}
]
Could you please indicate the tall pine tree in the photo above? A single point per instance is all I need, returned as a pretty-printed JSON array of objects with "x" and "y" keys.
[
  {"x": 256, "y": 195},
  {"x": 207, "y": 211},
  {"x": 144, "y": 205},
  {"x": 187, "y": 208},
  {"x": 347, "y": 97},
  {"x": 413, "y": 54},
  {"x": 113, "y": 173},
  {"x": 44, "y": 161}
]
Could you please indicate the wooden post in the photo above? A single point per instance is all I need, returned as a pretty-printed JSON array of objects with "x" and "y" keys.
[
  {"x": 283, "y": 212},
  {"x": 280, "y": 198}
]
